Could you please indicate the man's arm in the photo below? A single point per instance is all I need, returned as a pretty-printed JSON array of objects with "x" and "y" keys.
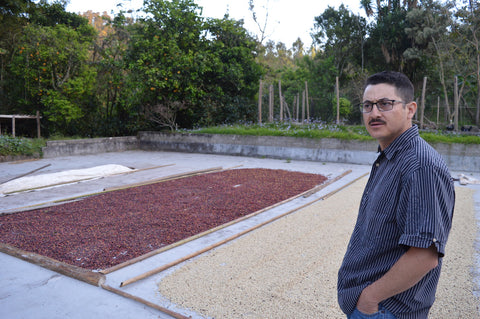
[{"x": 404, "y": 274}]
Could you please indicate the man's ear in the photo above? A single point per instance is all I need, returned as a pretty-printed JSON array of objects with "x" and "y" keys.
[{"x": 411, "y": 108}]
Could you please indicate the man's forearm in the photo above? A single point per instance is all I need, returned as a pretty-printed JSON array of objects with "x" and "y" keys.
[{"x": 404, "y": 274}]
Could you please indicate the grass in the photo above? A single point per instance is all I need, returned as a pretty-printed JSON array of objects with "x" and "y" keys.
[
  {"x": 315, "y": 131},
  {"x": 318, "y": 131}
]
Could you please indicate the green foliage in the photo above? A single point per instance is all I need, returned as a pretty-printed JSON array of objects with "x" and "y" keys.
[
  {"x": 50, "y": 62},
  {"x": 174, "y": 68},
  {"x": 315, "y": 131},
  {"x": 345, "y": 107},
  {"x": 20, "y": 146}
]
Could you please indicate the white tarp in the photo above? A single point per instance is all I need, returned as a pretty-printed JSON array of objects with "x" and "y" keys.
[{"x": 65, "y": 177}]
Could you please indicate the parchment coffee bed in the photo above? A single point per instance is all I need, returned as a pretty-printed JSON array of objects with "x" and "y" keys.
[
  {"x": 104, "y": 230},
  {"x": 288, "y": 269}
]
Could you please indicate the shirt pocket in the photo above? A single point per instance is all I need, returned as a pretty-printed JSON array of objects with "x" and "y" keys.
[{"x": 381, "y": 229}]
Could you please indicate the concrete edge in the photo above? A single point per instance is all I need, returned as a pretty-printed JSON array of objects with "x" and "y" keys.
[{"x": 459, "y": 157}]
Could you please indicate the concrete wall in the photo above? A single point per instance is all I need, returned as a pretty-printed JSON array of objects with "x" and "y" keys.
[
  {"x": 459, "y": 157},
  {"x": 324, "y": 150},
  {"x": 90, "y": 146}
]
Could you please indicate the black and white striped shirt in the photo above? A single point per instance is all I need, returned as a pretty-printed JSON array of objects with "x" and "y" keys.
[{"x": 408, "y": 202}]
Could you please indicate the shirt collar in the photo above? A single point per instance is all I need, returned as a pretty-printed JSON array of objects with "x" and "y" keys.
[{"x": 400, "y": 142}]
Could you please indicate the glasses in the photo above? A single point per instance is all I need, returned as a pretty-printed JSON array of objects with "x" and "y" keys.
[{"x": 383, "y": 105}]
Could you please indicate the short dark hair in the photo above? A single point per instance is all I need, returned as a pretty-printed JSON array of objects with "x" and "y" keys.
[{"x": 400, "y": 81}]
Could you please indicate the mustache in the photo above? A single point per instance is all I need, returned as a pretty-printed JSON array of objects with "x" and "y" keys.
[{"x": 373, "y": 121}]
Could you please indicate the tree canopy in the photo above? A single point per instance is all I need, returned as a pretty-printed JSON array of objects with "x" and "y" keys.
[{"x": 97, "y": 75}]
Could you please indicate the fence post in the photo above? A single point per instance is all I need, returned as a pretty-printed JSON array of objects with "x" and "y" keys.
[
  {"x": 13, "y": 125},
  {"x": 38, "y": 125},
  {"x": 422, "y": 108},
  {"x": 260, "y": 93},
  {"x": 455, "y": 96}
]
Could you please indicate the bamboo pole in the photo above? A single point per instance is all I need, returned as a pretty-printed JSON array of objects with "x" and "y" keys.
[
  {"x": 297, "y": 107},
  {"x": 456, "y": 102},
  {"x": 422, "y": 107},
  {"x": 281, "y": 100},
  {"x": 222, "y": 242},
  {"x": 28, "y": 173},
  {"x": 438, "y": 109},
  {"x": 307, "y": 101},
  {"x": 337, "y": 92},
  {"x": 13, "y": 125},
  {"x": 260, "y": 95},
  {"x": 303, "y": 107},
  {"x": 38, "y": 125},
  {"x": 287, "y": 108},
  {"x": 270, "y": 103}
]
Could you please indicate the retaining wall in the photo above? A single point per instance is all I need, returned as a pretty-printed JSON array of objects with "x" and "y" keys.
[
  {"x": 459, "y": 157},
  {"x": 90, "y": 146}
]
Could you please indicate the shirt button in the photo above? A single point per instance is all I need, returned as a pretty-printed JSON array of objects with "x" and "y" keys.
[
  {"x": 377, "y": 165},
  {"x": 434, "y": 240}
]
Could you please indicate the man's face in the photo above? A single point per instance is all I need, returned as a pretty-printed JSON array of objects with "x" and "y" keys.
[{"x": 386, "y": 126}]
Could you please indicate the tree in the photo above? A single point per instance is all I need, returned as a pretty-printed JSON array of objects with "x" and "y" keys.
[
  {"x": 387, "y": 34},
  {"x": 232, "y": 73},
  {"x": 432, "y": 43},
  {"x": 470, "y": 26},
  {"x": 165, "y": 56},
  {"x": 51, "y": 61},
  {"x": 341, "y": 35}
]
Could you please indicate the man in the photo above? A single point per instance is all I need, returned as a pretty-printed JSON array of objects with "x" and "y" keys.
[{"x": 393, "y": 261}]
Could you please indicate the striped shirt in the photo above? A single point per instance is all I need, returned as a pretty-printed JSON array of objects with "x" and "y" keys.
[{"x": 408, "y": 202}]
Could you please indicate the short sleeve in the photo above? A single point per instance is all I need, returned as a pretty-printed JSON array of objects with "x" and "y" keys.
[{"x": 429, "y": 202}]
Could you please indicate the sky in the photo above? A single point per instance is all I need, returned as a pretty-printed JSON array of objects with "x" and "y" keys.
[{"x": 287, "y": 19}]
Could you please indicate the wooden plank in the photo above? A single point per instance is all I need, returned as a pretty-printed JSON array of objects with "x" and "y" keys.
[
  {"x": 18, "y": 116},
  {"x": 237, "y": 235},
  {"x": 85, "y": 275},
  {"x": 145, "y": 302},
  {"x": 164, "y": 179}
]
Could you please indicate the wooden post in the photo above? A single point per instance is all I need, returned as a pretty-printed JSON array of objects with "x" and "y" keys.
[
  {"x": 38, "y": 125},
  {"x": 337, "y": 89},
  {"x": 287, "y": 109},
  {"x": 13, "y": 125},
  {"x": 306, "y": 101},
  {"x": 438, "y": 109},
  {"x": 294, "y": 106},
  {"x": 270, "y": 103},
  {"x": 260, "y": 93},
  {"x": 281, "y": 100},
  {"x": 298, "y": 106},
  {"x": 455, "y": 97},
  {"x": 422, "y": 107},
  {"x": 303, "y": 106}
]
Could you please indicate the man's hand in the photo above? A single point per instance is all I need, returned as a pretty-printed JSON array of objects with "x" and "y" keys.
[
  {"x": 366, "y": 304},
  {"x": 404, "y": 274}
]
